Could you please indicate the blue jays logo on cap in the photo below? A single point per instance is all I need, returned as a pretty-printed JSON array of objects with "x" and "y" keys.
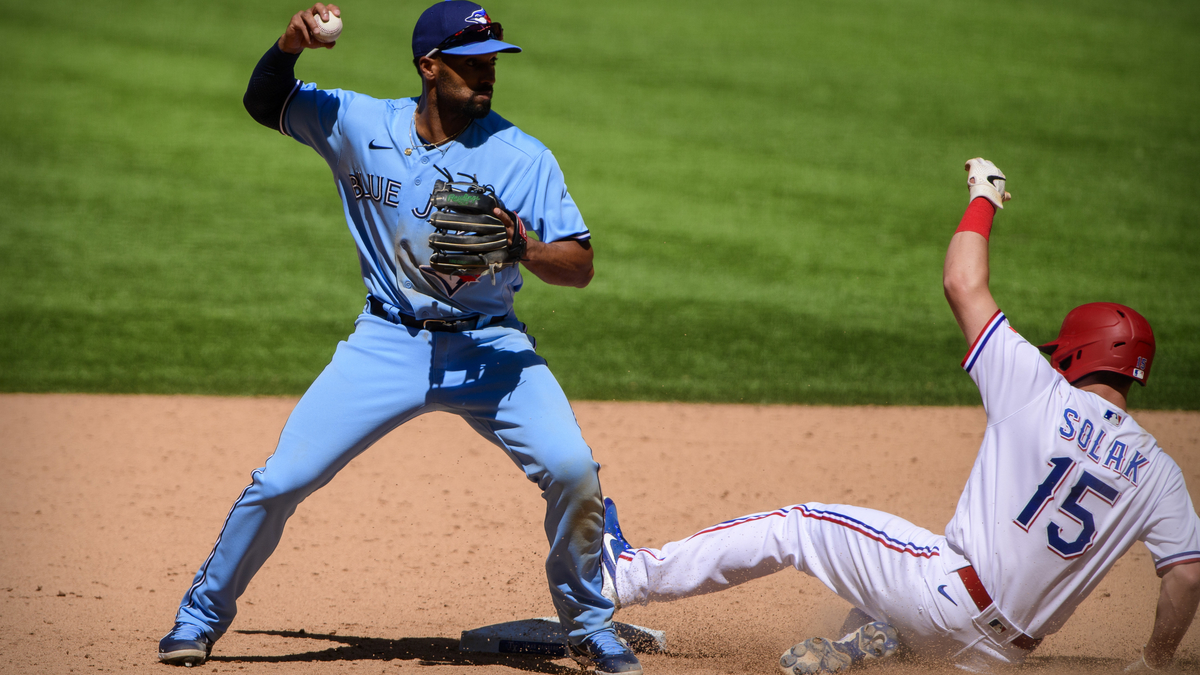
[{"x": 458, "y": 27}]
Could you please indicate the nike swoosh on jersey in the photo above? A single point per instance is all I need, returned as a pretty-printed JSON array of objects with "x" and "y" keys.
[
  {"x": 942, "y": 590},
  {"x": 372, "y": 146}
]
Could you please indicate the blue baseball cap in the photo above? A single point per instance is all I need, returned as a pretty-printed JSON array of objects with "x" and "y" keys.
[{"x": 458, "y": 27}]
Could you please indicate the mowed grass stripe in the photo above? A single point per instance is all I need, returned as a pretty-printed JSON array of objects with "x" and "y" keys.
[{"x": 770, "y": 190}]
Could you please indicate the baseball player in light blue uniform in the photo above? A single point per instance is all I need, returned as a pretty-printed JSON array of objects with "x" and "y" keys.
[{"x": 425, "y": 341}]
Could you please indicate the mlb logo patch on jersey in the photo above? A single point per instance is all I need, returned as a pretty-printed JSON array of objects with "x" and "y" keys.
[{"x": 1114, "y": 418}]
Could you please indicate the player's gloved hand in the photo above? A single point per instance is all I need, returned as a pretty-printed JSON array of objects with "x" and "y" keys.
[
  {"x": 470, "y": 239},
  {"x": 984, "y": 179}
]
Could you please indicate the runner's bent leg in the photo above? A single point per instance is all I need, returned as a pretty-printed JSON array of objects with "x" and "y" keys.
[{"x": 874, "y": 560}]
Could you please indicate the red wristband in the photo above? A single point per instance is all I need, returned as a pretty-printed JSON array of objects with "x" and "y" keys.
[{"x": 978, "y": 217}]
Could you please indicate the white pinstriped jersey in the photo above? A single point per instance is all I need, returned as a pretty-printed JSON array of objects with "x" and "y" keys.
[{"x": 1064, "y": 483}]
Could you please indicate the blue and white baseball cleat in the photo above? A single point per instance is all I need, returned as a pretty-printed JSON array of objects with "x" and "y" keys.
[
  {"x": 606, "y": 653},
  {"x": 613, "y": 546},
  {"x": 874, "y": 641},
  {"x": 186, "y": 645}
]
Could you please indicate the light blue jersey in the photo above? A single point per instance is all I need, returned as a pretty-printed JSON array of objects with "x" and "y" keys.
[
  {"x": 425, "y": 341},
  {"x": 385, "y": 193},
  {"x": 387, "y": 373}
]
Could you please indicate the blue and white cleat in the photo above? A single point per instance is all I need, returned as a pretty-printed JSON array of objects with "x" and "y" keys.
[
  {"x": 874, "y": 641},
  {"x": 606, "y": 653},
  {"x": 613, "y": 546},
  {"x": 186, "y": 645}
]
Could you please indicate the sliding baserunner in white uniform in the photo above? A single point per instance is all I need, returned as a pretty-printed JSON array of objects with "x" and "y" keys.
[{"x": 1064, "y": 483}]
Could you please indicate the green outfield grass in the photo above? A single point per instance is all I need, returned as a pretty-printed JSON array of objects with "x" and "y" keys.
[{"x": 770, "y": 187}]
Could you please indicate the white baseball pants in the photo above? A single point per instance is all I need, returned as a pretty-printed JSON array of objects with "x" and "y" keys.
[{"x": 884, "y": 565}]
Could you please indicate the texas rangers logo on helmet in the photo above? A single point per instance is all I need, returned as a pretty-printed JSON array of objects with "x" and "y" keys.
[{"x": 479, "y": 16}]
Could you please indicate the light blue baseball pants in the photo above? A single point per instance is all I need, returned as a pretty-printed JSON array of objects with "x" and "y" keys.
[{"x": 382, "y": 376}]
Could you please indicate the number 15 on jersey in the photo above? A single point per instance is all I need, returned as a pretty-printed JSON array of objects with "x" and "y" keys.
[{"x": 1087, "y": 483}]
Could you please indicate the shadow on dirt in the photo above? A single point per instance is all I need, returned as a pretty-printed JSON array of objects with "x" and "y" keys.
[
  {"x": 426, "y": 651},
  {"x": 442, "y": 651}
]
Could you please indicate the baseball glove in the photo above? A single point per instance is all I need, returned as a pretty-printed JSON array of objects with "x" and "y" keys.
[{"x": 469, "y": 240}]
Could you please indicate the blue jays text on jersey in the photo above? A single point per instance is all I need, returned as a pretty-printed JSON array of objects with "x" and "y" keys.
[
  {"x": 375, "y": 188},
  {"x": 385, "y": 193}
]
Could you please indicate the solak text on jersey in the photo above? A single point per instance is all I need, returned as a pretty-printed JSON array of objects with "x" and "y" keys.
[{"x": 1090, "y": 439}]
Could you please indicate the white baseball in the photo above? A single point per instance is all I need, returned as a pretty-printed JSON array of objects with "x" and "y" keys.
[{"x": 328, "y": 31}]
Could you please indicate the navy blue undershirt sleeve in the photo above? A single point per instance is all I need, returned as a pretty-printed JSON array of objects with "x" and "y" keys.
[{"x": 271, "y": 86}]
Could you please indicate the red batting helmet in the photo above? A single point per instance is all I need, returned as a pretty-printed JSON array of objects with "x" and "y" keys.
[{"x": 1103, "y": 336}]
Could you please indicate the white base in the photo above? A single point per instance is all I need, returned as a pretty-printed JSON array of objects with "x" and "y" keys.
[{"x": 545, "y": 636}]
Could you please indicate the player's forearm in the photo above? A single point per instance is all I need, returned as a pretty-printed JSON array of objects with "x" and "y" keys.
[
  {"x": 965, "y": 275},
  {"x": 560, "y": 263},
  {"x": 271, "y": 84},
  {"x": 1177, "y": 601}
]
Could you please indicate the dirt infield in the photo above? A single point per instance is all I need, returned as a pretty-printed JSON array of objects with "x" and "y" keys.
[{"x": 109, "y": 503}]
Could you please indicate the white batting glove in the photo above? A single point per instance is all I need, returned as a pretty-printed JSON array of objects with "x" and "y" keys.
[{"x": 984, "y": 179}]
